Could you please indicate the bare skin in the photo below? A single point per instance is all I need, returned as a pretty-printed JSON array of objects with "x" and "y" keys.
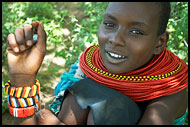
[{"x": 25, "y": 59}]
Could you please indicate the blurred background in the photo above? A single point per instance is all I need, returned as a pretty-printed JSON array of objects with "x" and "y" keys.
[{"x": 71, "y": 27}]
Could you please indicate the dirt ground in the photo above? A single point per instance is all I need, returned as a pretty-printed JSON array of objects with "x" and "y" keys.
[{"x": 47, "y": 95}]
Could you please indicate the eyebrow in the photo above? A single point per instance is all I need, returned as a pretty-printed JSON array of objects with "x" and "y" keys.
[
  {"x": 109, "y": 16},
  {"x": 139, "y": 23},
  {"x": 132, "y": 23}
]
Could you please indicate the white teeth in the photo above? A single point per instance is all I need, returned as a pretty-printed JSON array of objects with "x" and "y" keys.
[{"x": 116, "y": 55}]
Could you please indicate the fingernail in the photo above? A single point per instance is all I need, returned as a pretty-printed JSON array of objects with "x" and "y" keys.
[
  {"x": 22, "y": 47},
  {"x": 29, "y": 43},
  {"x": 16, "y": 49}
]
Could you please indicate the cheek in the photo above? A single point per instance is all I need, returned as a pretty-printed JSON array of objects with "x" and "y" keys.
[
  {"x": 139, "y": 48},
  {"x": 142, "y": 51},
  {"x": 102, "y": 37}
]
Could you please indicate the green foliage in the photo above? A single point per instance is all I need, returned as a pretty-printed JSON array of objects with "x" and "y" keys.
[
  {"x": 178, "y": 30},
  {"x": 84, "y": 32},
  {"x": 17, "y": 14},
  {"x": 4, "y": 100}
]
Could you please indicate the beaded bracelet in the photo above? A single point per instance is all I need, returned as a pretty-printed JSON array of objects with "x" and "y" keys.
[
  {"x": 22, "y": 102},
  {"x": 23, "y": 112},
  {"x": 22, "y": 92}
]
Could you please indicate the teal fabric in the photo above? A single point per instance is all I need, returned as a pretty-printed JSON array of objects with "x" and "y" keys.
[
  {"x": 181, "y": 120},
  {"x": 67, "y": 79}
]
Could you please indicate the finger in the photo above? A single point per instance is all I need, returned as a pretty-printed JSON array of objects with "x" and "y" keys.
[
  {"x": 7, "y": 45},
  {"x": 41, "y": 42},
  {"x": 8, "y": 48},
  {"x": 35, "y": 24},
  {"x": 20, "y": 39},
  {"x": 29, "y": 43},
  {"x": 12, "y": 43},
  {"x": 28, "y": 32},
  {"x": 41, "y": 33}
]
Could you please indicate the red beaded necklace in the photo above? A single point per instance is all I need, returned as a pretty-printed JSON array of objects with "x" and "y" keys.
[{"x": 166, "y": 74}]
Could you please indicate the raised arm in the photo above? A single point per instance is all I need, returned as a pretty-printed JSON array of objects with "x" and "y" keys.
[{"x": 25, "y": 58}]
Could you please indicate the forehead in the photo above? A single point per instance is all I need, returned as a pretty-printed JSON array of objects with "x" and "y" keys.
[{"x": 138, "y": 11}]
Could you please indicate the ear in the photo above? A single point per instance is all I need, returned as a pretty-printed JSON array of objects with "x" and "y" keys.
[{"x": 161, "y": 43}]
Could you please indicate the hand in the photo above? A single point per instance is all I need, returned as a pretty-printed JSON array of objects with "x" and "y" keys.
[
  {"x": 46, "y": 117},
  {"x": 24, "y": 56}
]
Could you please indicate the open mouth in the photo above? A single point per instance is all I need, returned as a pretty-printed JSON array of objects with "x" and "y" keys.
[{"x": 115, "y": 58}]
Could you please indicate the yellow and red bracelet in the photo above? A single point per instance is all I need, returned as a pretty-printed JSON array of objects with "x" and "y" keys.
[
  {"x": 22, "y": 92},
  {"x": 22, "y": 102},
  {"x": 23, "y": 112}
]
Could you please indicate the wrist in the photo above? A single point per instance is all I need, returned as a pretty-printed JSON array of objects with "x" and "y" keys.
[{"x": 22, "y": 80}]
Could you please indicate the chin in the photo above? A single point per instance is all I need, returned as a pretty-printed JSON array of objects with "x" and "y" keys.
[{"x": 115, "y": 70}]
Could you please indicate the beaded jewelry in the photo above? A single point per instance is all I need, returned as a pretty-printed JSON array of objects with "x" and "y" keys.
[
  {"x": 165, "y": 74},
  {"x": 22, "y": 102},
  {"x": 120, "y": 77},
  {"x": 22, "y": 92},
  {"x": 35, "y": 37},
  {"x": 23, "y": 112}
]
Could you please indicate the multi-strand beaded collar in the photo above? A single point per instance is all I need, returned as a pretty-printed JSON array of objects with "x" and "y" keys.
[
  {"x": 120, "y": 77},
  {"x": 166, "y": 74}
]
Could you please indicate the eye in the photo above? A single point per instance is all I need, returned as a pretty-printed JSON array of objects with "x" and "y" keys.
[
  {"x": 109, "y": 24},
  {"x": 138, "y": 32}
]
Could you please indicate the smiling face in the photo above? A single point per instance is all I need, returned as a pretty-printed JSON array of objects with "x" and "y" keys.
[{"x": 128, "y": 36}]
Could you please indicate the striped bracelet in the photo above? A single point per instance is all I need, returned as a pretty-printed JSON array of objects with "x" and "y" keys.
[
  {"x": 22, "y": 102},
  {"x": 22, "y": 92},
  {"x": 23, "y": 112}
]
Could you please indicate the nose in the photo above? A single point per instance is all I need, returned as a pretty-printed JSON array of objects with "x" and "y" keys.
[{"x": 117, "y": 38}]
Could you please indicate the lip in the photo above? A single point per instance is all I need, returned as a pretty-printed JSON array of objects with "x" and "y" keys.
[
  {"x": 114, "y": 60},
  {"x": 116, "y": 51}
]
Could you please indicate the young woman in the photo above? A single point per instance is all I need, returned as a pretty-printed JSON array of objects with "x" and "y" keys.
[{"x": 129, "y": 78}]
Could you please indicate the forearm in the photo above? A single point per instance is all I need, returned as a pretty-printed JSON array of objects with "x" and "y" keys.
[{"x": 46, "y": 117}]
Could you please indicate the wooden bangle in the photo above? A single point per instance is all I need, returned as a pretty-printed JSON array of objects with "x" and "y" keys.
[
  {"x": 23, "y": 112},
  {"x": 22, "y": 92},
  {"x": 22, "y": 102}
]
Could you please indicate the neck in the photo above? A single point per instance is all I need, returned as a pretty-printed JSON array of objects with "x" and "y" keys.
[{"x": 146, "y": 63}]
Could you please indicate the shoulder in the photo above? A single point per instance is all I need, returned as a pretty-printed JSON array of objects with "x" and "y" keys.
[{"x": 168, "y": 108}]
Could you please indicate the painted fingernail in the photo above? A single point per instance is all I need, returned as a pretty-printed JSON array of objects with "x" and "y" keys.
[
  {"x": 16, "y": 49},
  {"x": 22, "y": 47}
]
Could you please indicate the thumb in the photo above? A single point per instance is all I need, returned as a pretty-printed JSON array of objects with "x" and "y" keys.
[{"x": 42, "y": 36}]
